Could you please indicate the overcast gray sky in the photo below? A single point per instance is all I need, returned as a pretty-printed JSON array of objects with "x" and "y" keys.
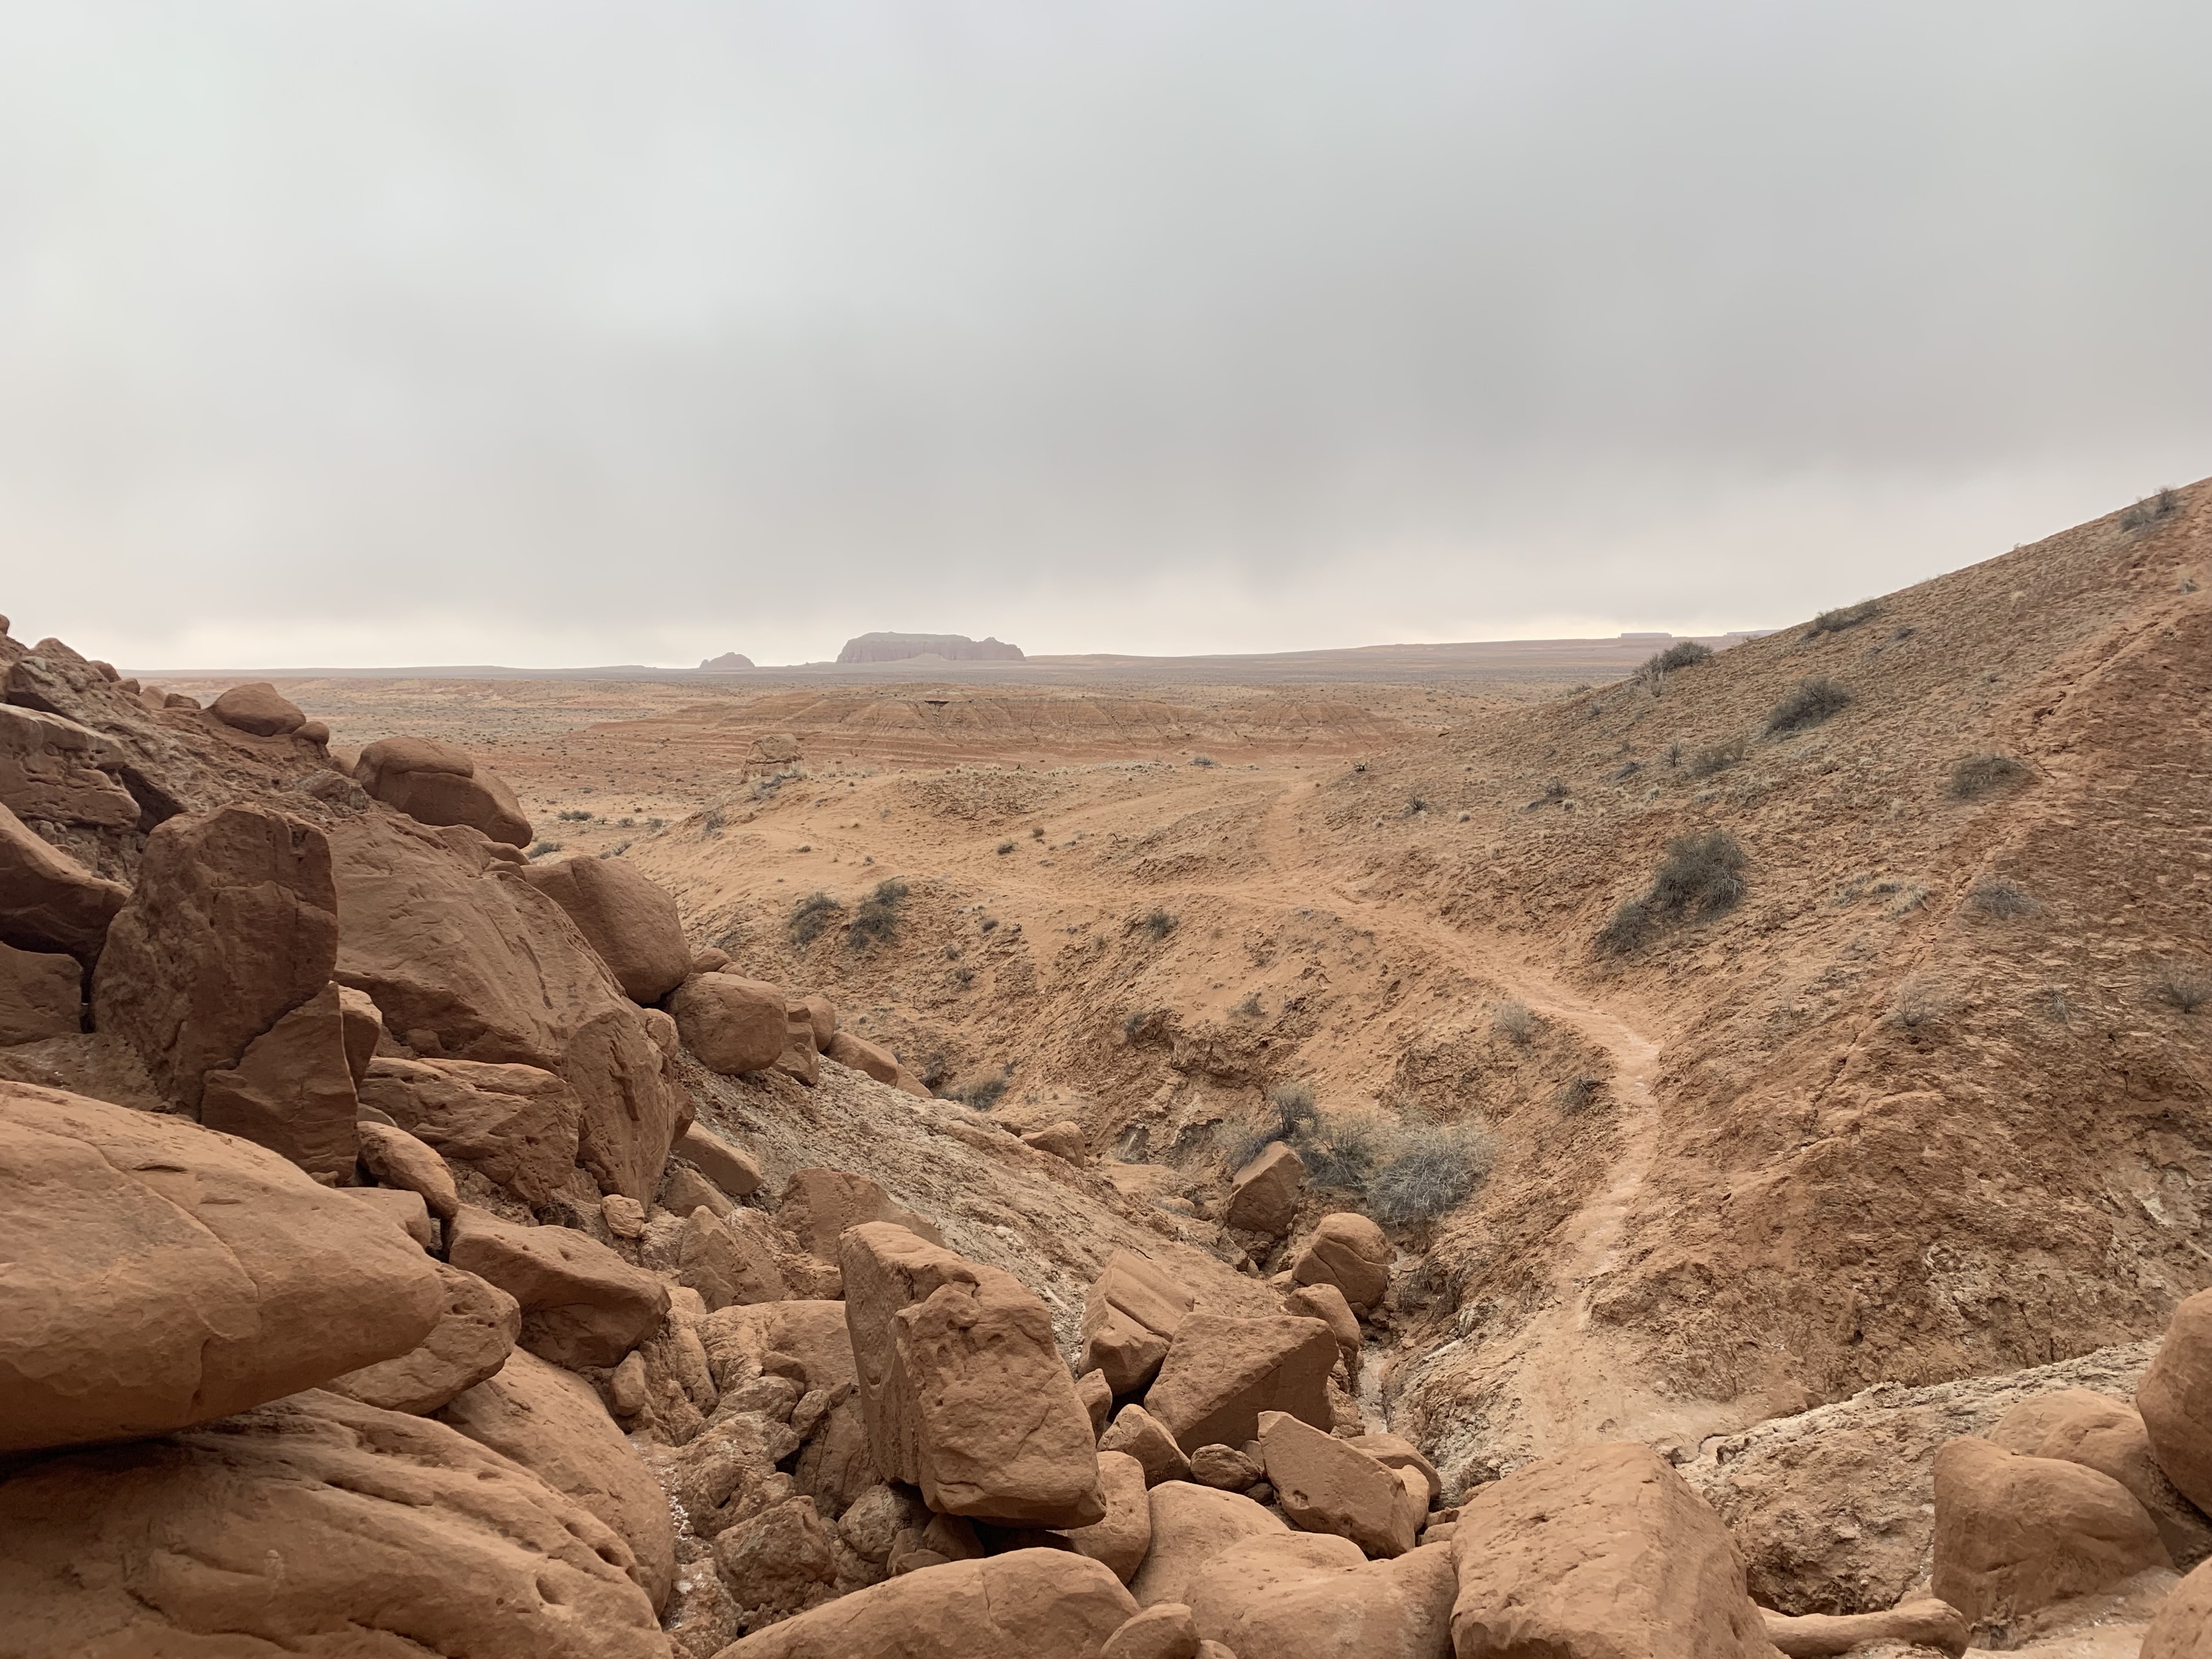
[{"x": 550, "y": 333}]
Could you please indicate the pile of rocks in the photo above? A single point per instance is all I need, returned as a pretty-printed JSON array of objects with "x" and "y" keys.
[{"x": 373, "y": 1282}]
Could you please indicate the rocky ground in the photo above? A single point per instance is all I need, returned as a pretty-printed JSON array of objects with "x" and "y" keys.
[{"x": 1710, "y": 1163}]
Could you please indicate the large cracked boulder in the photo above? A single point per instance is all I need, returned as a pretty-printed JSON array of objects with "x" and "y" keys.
[
  {"x": 158, "y": 1274},
  {"x": 2014, "y": 1534},
  {"x": 1349, "y": 1251},
  {"x": 962, "y": 1385},
  {"x": 1263, "y": 1196},
  {"x": 234, "y": 924},
  {"x": 2175, "y": 1399},
  {"x": 516, "y": 1125},
  {"x": 1222, "y": 1372},
  {"x": 435, "y": 783},
  {"x": 315, "y": 1525},
  {"x": 476, "y": 964},
  {"x": 1602, "y": 1553},
  {"x": 1328, "y": 1485},
  {"x": 48, "y": 901},
  {"x": 1025, "y": 1604},
  {"x": 631, "y": 921},
  {"x": 1130, "y": 1315},
  {"x": 818, "y": 1205},
  {"x": 581, "y": 1303},
  {"x": 553, "y": 1425}
]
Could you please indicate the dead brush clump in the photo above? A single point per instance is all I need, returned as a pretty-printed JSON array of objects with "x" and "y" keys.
[
  {"x": 2186, "y": 986},
  {"x": 1701, "y": 876},
  {"x": 877, "y": 921},
  {"x": 1651, "y": 673},
  {"x": 2002, "y": 900},
  {"x": 1577, "y": 1095},
  {"x": 1431, "y": 1170},
  {"x": 1401, "y": 1175},
  {"x": 1842, "y": 617},
  {"x": 1975, "y": 775},
  {"x": 1809, "y": 703},
  {"x": 811, "y": 917},
  {"x": 1717, "y": 757},
  {"x": 1513, "y": 1022},
  {"x": 2150, "y": 510},
  {"x": 1157, "y": 925}
]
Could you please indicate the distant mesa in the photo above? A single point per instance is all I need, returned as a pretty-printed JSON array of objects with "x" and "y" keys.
[
  {"x": 904, "y": 648},
  {"x": 728, "y": 659}
]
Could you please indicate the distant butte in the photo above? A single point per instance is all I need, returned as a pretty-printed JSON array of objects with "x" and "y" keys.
[
  {"x": 728, "y": 659},
  {"x": 903, "y": 647}
]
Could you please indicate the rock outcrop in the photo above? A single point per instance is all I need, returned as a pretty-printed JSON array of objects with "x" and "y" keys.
[
  {"x": 48, "y": 901},
  {"x": 903, "y": 648},
  {"x": 160, "y": 1275},
  {"x": 581, "y": 1303},
  {"x": 630, "y": 921},
  {"x": 2175, "y": 1399},
  {"x": 437, "y": 784},
  {"x": 1222, "y": 1372}
]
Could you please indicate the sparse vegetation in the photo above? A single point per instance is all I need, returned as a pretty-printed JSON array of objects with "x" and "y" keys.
[
  {"x": 982, "y": 1094},
  {"x": 1808, "y": 702},
  {"x": 1415, "y": 806},
  {"x": 1842, "y": 617},
  {"x": 1250, "y": 1008},
  {"x": 1701, "y": 876},
  {"x": 539, "y": 849},
  {"x": 1576, "y": 1094},
  {"x": 710, "y": 823},
  {"x": 1651, "y": 673},
  {"x": 877, "y": 921},
  {"x": 2150, "y": 510},
  {"x": 1005, "y": 847},
  {"x": 811, "y": 917},
  {"x": 1919, "y": 1004},
  {"x": 576, "y": 815},
  {"x": 1977, "y": 774},
  {"x": 1993, "y": 895},
  {"x": 1513, "y": 1022},
  {"x": 1715, "y": 758},
  {"x": 1431, "y": 1171},
  {"x": 1158, "y": 926},
  {"x": 1201, "y": 760},
  {"x": 2183, "y": 985}
]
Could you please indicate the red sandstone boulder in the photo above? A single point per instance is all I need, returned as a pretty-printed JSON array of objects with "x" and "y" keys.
[
  {"x": 1165, "y": 1632},
  {"x": 733, "y": 1171},
  {"x": 41, "y": 995},
  {"x": 1222, "y": 1372},
  {"x": 1130, "y": 1315},
  {"x": 1121, "y": 1540},
  {"x": 2175, "y": 1399},
  {"x": 1027, "y": 1604},
  {"x": 964, "y": 1391},
  {"x": 159, "y": 1274},
  {"x": 1602, "y": 1553},
  {"x": 397, "y": 1159},
  {"x": 1309, "y": 1596},
  {"x": 2014, "y": 1533},
  {"x": 1192, "y": 1525},
  {"x": 818, "y": 1205},
  {"x": 1327, "y": 1485},
  {"x": 259, "y": 708},
  {"x": 315, "y": 1525},
  {"x": 435, "y": 783},
  {"x": 475, "y": 1331},
  {"x": 1063, "y": 1140},
  {"x": 553, "y": 1425},
  {"x": 291, "y": 1091},
  {"x": 2183, "y": 1626},
  {"x": 48, "y": 901},
  {"x": 2107, "y": 1435},
  {"x": 732, "y": 1024},
  {"x": 1350, "y": 1252},
  {"x": 632, "y": 922},
  {"x": 581, "y": 1303},
  {"x": 234, "y": 924},
  {"x": 482, "y": 967},
  {"x": 712, "y": 1260},
  {"x": 1926, "y": 1623},
  {"x": 515, "y": 1126},
  {"x": 52, "y": 769},
  {"x": 877, "y": 1061},
  {"x": 1263, "y": 1196},
  {"x": 1135, "y": 1432},
  {"x": 822, "y": 1019}
]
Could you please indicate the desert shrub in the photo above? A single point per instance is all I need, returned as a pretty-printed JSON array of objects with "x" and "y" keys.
[
  {"x": 1290, "y": 1116},
  {"x": 1431, "y": 1170},
  {"x": 1714, "y": 757},
  {"x": 1250, "y": 1008},
  {"x": 2182, "y": 985},
  {"x": 1993, "y": 895},
  {"x": 1201, "y": 760},
  {"x": 1809, "y": 703},
  {"x": 811, "y": 917},
  {"x": 1158, "y": 925},
  {"x": 710, "y": 822},
  {"x": 539, "y": 849},
  {"x": 1415, "y": 806},
  {"x": 982, "y": 1094},
  {"x": 1843, "y": 616},
  {"x": 877, "y": 921},
  {"x": 1702, "y": 875},
  {"x": 2150, "y": 510},
  {"x": 576, "y": 815},
  {"x": 1920, "y": 1003},
  {"x": 1576, "y": 1094},
  {"x": 1684, "y": 654},
  {"x": 1005, "y": 847},
  {"x": 1513, "y": 1022},
  {"x": 1977, "y": 774},
  {"x": 1341, "y": 1151},
  {"x": 1627, "y": 769}
]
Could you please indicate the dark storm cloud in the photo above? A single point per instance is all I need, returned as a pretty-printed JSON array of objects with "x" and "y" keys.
[{"x": 567, "y": 333}]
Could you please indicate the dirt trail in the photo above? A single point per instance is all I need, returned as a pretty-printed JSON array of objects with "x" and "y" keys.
[{"x": 1567, "y": 1390}]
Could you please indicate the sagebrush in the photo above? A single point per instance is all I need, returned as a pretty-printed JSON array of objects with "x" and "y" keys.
[{"x": 1808, "y": 702}]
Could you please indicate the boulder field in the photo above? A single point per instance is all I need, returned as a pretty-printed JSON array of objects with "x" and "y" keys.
[{"x": 409, "y": 1247}]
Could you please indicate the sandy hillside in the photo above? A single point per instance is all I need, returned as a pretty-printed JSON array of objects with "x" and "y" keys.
[{"x": 1925, "y": 1100}]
